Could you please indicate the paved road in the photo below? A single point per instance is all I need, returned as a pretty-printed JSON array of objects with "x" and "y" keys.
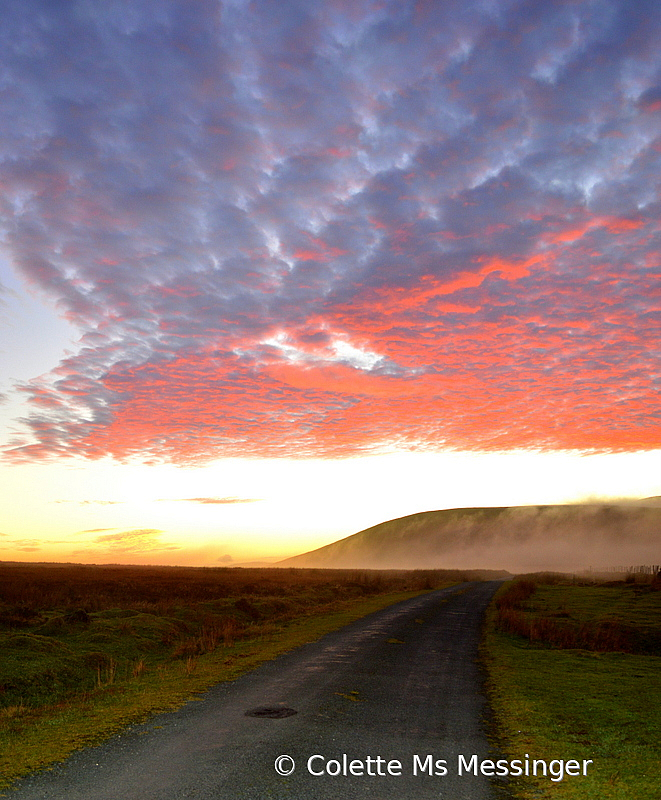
[{"x": 400, "y": 683}]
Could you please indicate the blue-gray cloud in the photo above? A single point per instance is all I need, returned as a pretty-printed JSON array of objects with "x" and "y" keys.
[{"x": 218, "y": 194}]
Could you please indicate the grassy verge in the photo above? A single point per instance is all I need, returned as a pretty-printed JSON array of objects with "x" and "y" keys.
[
  {"x": 71, "y": 677},
  {"x": 551, "y": 701}
]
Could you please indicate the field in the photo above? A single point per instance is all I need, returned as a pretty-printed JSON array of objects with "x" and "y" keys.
[
  {"x": 574, "y": 668},
  {"x": 575, "y": 673},
  {"x": 87, "y": 650}
]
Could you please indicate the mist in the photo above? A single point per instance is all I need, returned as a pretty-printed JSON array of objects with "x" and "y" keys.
[{"x": 564, "y": 538}]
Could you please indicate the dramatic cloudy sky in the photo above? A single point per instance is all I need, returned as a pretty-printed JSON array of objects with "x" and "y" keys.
[{"x": 286, "y": 241}]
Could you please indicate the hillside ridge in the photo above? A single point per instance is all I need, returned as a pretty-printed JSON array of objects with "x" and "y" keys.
[{"x": 515, "y": 538}]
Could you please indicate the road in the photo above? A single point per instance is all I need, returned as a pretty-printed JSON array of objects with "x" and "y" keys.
[{"x": 393, "y": 688}]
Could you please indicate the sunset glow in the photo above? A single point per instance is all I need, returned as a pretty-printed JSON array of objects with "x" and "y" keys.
[{"x": 275, "y": 272}]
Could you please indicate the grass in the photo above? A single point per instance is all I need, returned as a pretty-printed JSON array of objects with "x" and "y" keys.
[
  {"x": 591, "y": 700},
  {"x": 86, "y": 651},
  {"x": 620, "y": 616}
]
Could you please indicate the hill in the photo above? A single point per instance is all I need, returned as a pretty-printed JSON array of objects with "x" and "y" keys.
[{"x": 515, "y": 538}]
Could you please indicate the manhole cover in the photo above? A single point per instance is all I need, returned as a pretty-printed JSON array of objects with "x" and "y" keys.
[{"x": 271, "y": 712}]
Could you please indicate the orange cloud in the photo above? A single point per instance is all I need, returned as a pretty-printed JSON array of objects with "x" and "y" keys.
[{"x": 133, "y": 541}]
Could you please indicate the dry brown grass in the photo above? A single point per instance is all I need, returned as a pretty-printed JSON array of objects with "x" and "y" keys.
[
  {"x": 603, "y": 636},
  {"x": 515, "y": 594},
  {"x": 517, "y": 614},
  {"x": 29, "y": 590},
  {"x": 67, "y": 629}
]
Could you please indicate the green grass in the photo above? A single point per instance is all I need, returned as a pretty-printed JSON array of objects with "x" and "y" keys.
[
  {"x": 578, "y": 704},
  {"x": 631, "y": 604},
  {"x": 72, "y": 628},
  {"x": 122, "y": 686}
]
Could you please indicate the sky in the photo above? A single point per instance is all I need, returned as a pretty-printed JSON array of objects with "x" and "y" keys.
[{"x": 272, "y": 272}]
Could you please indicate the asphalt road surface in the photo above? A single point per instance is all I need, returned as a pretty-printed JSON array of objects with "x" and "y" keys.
[{"x": 372, "y": 700}]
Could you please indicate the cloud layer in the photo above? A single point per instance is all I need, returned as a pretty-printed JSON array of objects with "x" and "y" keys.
[
  {"x": 325, "y": 228},
  {"x": 211, "y": 501}
]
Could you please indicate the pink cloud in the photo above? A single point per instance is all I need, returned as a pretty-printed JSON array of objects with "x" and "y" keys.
[{"x": 311, "y": 230}]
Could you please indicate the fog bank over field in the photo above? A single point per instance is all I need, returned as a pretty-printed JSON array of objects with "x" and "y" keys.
[{"x": 518, "y": 539}]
